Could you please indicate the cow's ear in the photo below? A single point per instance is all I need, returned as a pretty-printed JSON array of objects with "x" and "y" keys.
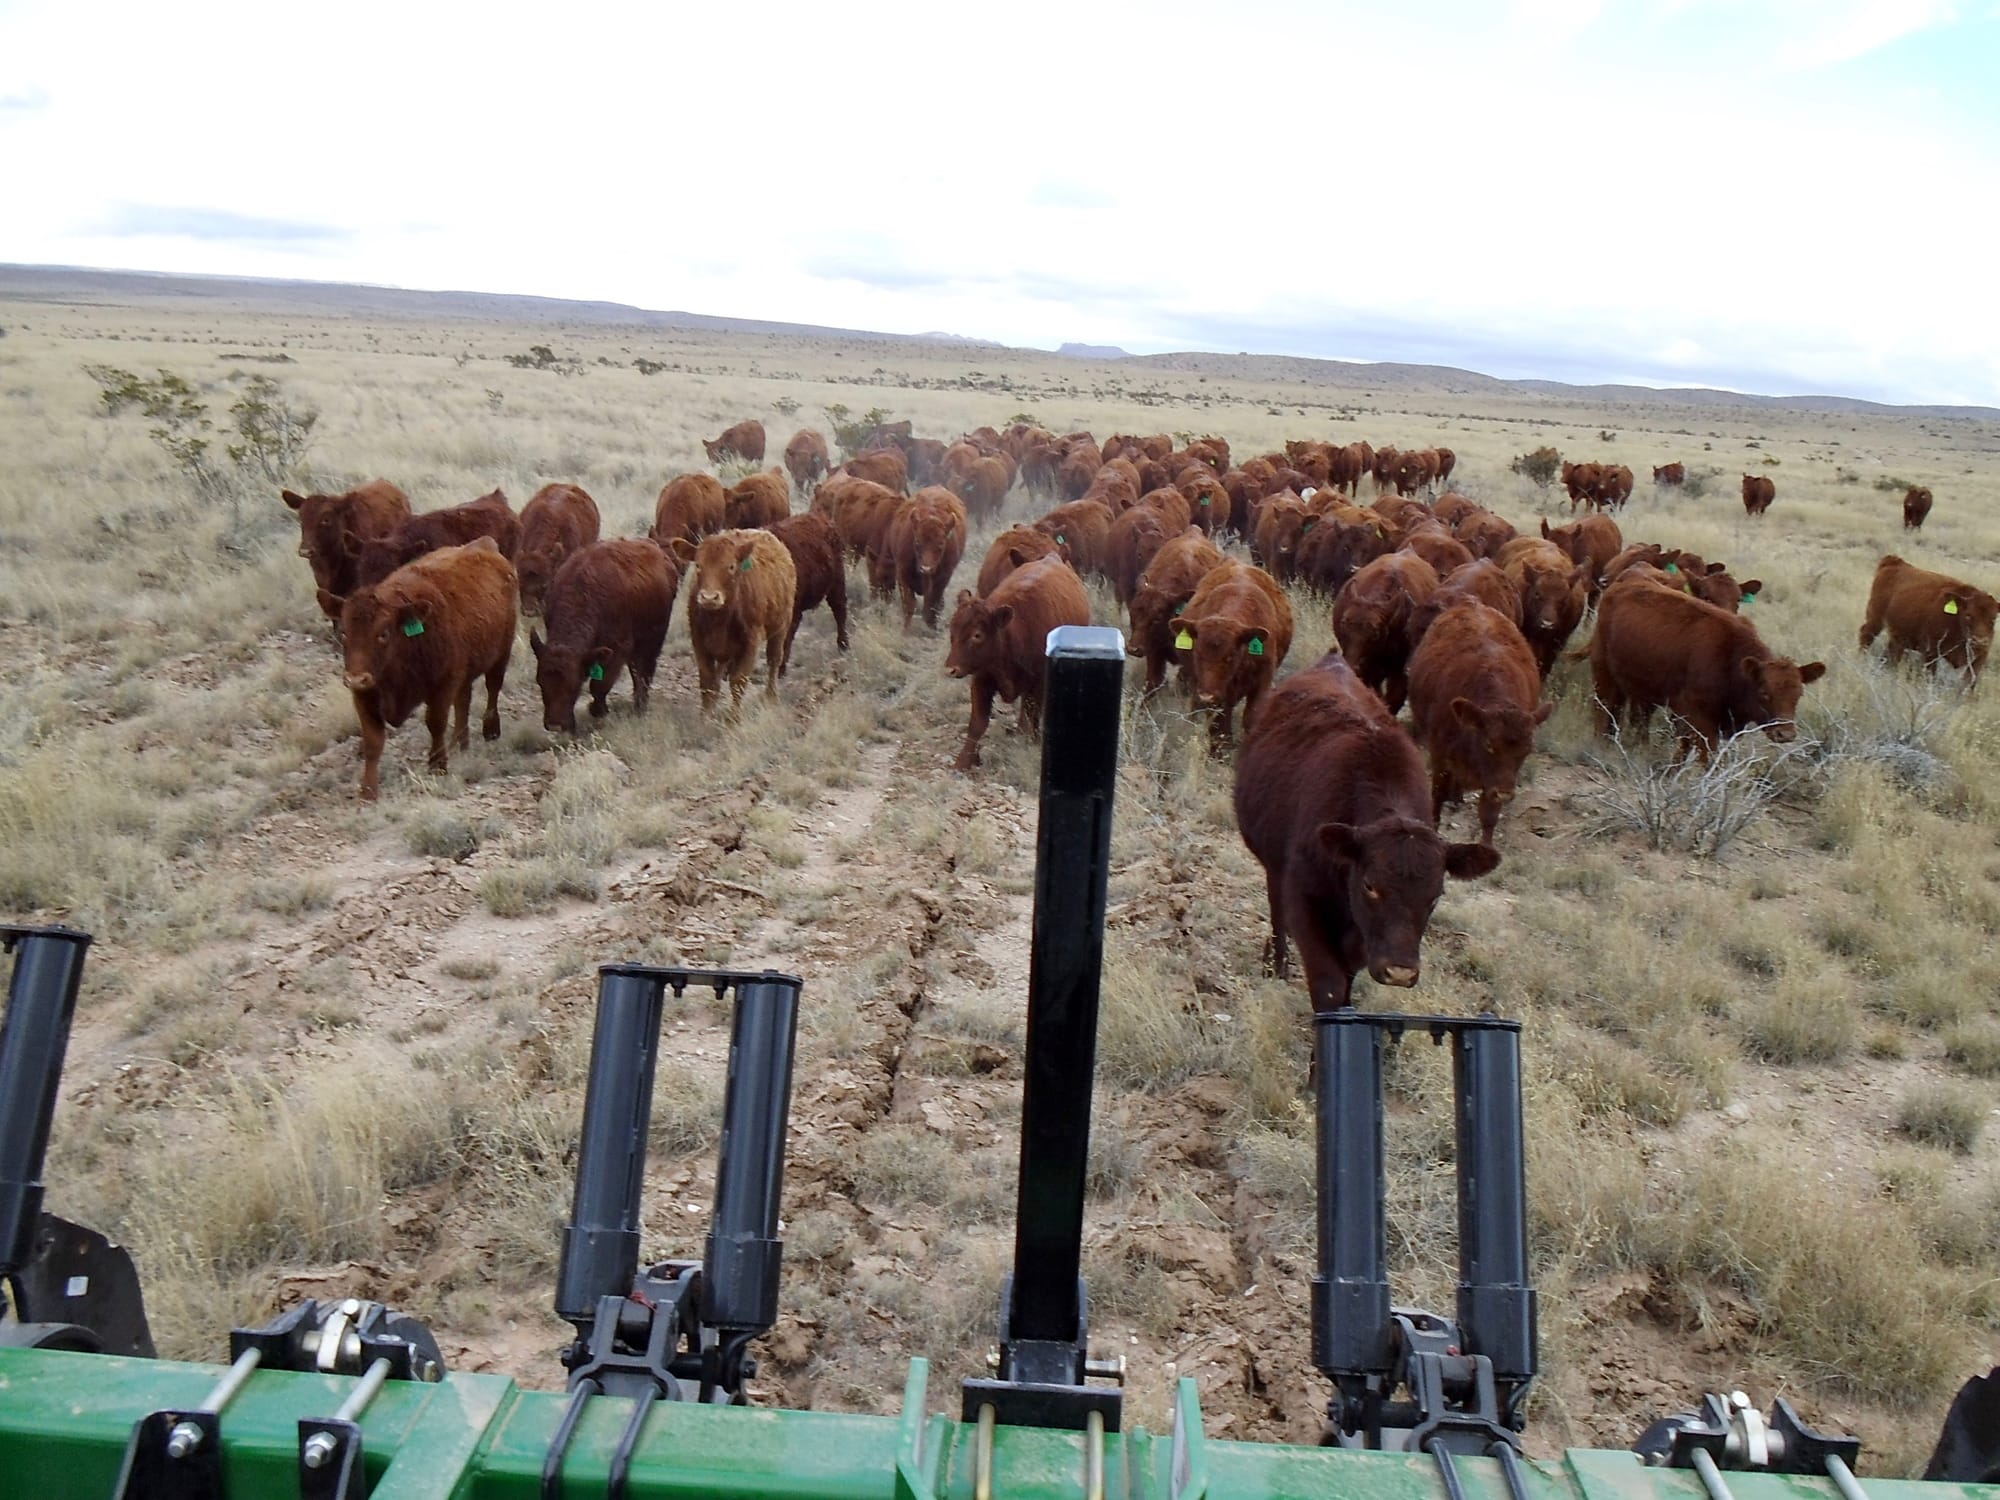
[
  {"x": 1543, "y": 711},
  {"x": 1749, "y": 588},
  {"x": 535, "y": 643},
  {"x": 1001, "y": 614},
  {"x": 964, "y": 596},
  {"x": 294, "y": 501},
  {"x": 1013, "y": 556},
  {"x": 1470, "y": 861},
  {"x": 1469, "y": 714},
  {"x": 683, "y": 550},
  {"x": 1580, "y": 574},
  {"x": 1812, "y": 671},
  {"x": 1717, "y": 568},
  {"x": 1545, "y": 526},
  {"x": 1341, "y": 842}
]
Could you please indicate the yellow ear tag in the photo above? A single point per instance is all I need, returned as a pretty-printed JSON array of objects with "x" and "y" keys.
[
  {"x": 1951, "y": 606},
  {"x": 1183, "y": 641}
]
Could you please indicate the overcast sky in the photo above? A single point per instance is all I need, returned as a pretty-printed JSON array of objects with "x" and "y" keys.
[{"x": 1770, "y": 195}]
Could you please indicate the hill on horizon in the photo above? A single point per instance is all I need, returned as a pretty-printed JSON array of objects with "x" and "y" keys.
[{"x": 90, "y": 286}]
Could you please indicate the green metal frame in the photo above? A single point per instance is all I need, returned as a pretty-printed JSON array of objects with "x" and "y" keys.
[{"x": 65, "y": 1419}]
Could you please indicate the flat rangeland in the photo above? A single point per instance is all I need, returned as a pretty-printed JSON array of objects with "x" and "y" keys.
[{"x": 326, "y": 1046}]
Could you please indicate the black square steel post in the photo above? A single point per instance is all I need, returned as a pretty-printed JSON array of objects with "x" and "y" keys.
[{"x": 1044, "y": 1317}]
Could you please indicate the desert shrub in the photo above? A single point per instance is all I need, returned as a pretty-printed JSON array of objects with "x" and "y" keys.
[
  {"x": 850, "y": 431},
  {"x": 1680, "y": 802},
  {"x": 1943, "y": 1114},
  {"x": 274, "y": 433},
  {"x": 1542, "y": 466}
]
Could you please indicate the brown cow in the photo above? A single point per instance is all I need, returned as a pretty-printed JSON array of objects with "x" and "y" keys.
[
  {"x": 690, "y": 505},
  {"x": 608, "y": 609},
  {"x": 560, "y": 519},
  {"x": 745, "y": 441},
  {"x": 1581, "y": 480},
  {"x": 1082, "y": 528},
  {"x": 1341, "y": 544},
  {"x": 985, "y": 487},
  {"x": 1656, "y": 648},
  {"x": 885, "y": 466},
  {"x": 1445, "y": 463},
  {"x": 1936, "y": 616},
  {"x": 927, "y": 538},
  {"x": 1281, "y": 526},
  {"x": 1331, "y": 798},
  {"x": 1554, "y": 594},
  {"x": 1162, "y": 595},
  {"x": 421, "y": 637},
  {"x": 1666, "y": 474},
  {"x": 1078, "y": 470},
  {"x": 333, "y": 528},
  {"x": 806, "y": 458},
  {"x": 489, "y": 515},
  {"x": 1371, "y": 620},
  {"x": 741, "y": 597},
  {"x": 1485, "y": 533},
  {"x": 1614, "y": 486},
  {"x": 1207, "y": 497},
  {"x": 1484, "y": 580},
  {"x": 757, "y": 500},
  {"x": 819, "y": 573},
  {"x": 1135, "y": 538},
  {"x": 1236, "y": 630},
  {"x": 1592, "y": 540},
  {"x": 1444, "y": 552},
  {"x": 1474, "y": 698},
  {"x": 1015, "y": 547},
  {"x": 1452, "y": 507},
  {"x": 924, "y": 455},
  {"x": 863, "y": 512},
  {"x": 999, "y": 642},
  {"x": 1758, "y": 493},
  {"x": 1916, "y": 506}
]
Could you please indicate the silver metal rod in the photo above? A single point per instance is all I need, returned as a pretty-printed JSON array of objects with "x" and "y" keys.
[
  {"x": 1711, "y": 1477},
  {"x": 1843, "y": 1478},
  {"x": 982, "y": 1453},
  {"x": 1093, "y": 1456},
  {"x": 369, "y": 1388},
  {"x": 232, "y": 1381}
]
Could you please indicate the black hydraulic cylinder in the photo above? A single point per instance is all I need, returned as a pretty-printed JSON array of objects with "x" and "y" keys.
[
  {"x": 1084, "y": 689},
  {"x": 1496, "y": 1305},
  {"x": 41, "y": 1003},
  {"x": 1352, "y": 1333},
  {"x": 600, "y": 1244},
  {"x": 739, "y": 1287}
]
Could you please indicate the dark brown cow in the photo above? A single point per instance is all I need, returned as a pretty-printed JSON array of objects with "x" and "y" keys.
[
  {"x": 985, "y": 488},
  {"x": 333, "y": 528},
  {"x": 690, "y": 506},
  {"x": 1078, "y": 470},
  {"x": 1384, "y": 469},
  {"x": 1658, "y": 648},
  {"x": 1667, "y": 474},
  {"x": 1581, "y": 481},
  {"x": 1475, "y": 700},
  {"x": 1340, "y": 545},
  {"x": 560, "y": 519},
  {"x": 1412, "y": 471},
  {"x": 421, "y": 637},
  {"x": 925, "y": 456},
  {"x": 819, "y": 573},
  {"x": 608, "y": 609},
  {"x": 740, "y": 597},
  {"x": 745, "y": 441},
  {"x": 1916, "y": 506},
  {"x": 885, "y": 466},
  {"x": 757, "y": 500},
  {"x": 1015, "y": 547},
  {"x": 1000, "y": 643},
  {"x": 1371, "y": 620},
  {"x": 1135, "y": 538},
  {"x": 1614, "y": 486},
  {"x": 1331, "y": 798},
  {"x": 1591, "y": 540},
  {"x": 1554, "y": 594},
  {"x": 1483, "y": 580},
  {"x": 1281, "y": 526},
  {"x": 927, "y": 538},
  {"x": 1236, "y": 630},
  {"x": 1938, "y": 617},
  {"x": 1445, "y": 463},
  {"x": 806, "y": 458},
  {"x": 489, "y": 515},
  {"x": 1758, "y": 493},
  {"x": 1164, "y": 590},
  {"x": 1719, "y": 587},
  {"x": 1345, "y": 471},
  {"x": 1082, "y": 529}
]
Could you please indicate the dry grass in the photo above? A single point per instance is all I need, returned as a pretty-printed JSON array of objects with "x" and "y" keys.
[{"x": 177, "y": 773}]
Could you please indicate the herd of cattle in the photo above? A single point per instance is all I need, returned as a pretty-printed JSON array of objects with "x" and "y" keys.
[{"x": 1438, "y": 604}]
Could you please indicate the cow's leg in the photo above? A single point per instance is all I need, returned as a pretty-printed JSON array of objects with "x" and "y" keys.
[
  {"x": 837, "y": 599},
  {"x": 975, "y": 729},
  {"x": 777, "y": 646},
  {"x": 1031, "y": 714},
  {"x": 437, "y": 719},
  {"x": 489, "y": 723},
  {"x": 373, "y": 734},
  {"x": 1489, "y": 814},
  {"x": 709, "y": 670},
  {"x": 1440, "y": 794},
  {"x": 1275, "y": 958},
  {"x": 461, "y": 715}
]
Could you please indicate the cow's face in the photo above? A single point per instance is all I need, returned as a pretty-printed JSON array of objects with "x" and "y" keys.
[
  {"x": 976, "y": 630},
  {"x": 1775, "y": 686},
  {"x": 1394, "y": 871},
  {"x": 1499, "y": 738},
  {"x": 1217, "y": 650},
  {"x": 720, "y": 563}
]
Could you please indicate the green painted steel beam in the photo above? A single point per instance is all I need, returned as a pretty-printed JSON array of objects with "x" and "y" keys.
[{"x": 65, "y": 1419}]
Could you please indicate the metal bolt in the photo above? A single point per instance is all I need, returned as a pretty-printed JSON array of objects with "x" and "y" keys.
[
  {"x": 183, "y": 1439},
  {"x": 320, "y": 1447},
  {"x": 992, "y": 1359}
]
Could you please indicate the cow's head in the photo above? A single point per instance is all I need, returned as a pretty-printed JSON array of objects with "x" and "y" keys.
[
  {"x": 1394, "y": 870},
  {"x": 1773, "y": 686},
  {"x": 977, "y": 628}
]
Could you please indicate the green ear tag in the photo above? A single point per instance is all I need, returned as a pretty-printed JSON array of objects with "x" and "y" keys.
[
  {"x": 1180, "y": 608},
  {"x": 1673, "y": 567},
  {"x": 1061, "y": 540},
  {"x": 1204, "y": 501},
  {"x": 1951, "y": 606},
  {"x": 1183, "y": 641},
  {"x": 1748, "y": 599},
  {"x": 746, "y": 563},
  {"x": 413, "y": 627},
  {"x": 597, "y": 671},
  {"x": 1256, "y": 646}
]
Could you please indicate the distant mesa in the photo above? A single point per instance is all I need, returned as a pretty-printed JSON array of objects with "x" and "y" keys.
[{"x": 1092, "y": 351}]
